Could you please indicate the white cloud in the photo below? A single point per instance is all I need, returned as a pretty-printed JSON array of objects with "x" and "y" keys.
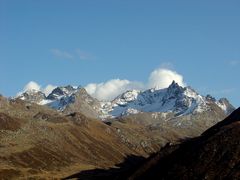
[
  {"x": 62, "y": 54},
  {"x": 75, "y": 54},
  {"x": 83, "y": 55},
  {"x": 111, "y": 88},
  {"x": 32, "y": 85},
  {"x": 159, "y": 78}
]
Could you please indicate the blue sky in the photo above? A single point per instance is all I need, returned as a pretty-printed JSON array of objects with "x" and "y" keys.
[{"x": 79, "y": 42}]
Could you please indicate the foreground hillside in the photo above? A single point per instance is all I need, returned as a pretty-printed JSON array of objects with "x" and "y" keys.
[
  {"x": 38, "y": 142},
  {"x": 213, "y": 155}
]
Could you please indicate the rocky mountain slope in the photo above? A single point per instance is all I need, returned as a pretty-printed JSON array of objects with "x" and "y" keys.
[
  {"x": 152, "y": 131},
  {"x": 149, "y": 119},
  {"x": 174, "y": 99},
  {"x": 213, "y": 155},
  {"x": 38, "y": 142},
  {"x": 66, "y": 99},
  {"x": 156, "y": 118},
  {"x": 61, "y": 136}
]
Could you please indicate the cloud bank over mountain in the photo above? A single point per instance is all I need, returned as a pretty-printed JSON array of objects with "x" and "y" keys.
[
  {"x": 32, "y": 85},
  {"x": 112, "y": 88},
  {"x": 160, "y": 78}
]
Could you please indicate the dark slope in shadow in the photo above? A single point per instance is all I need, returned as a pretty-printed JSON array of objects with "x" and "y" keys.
[
  {"x": 213, "y": 155},
  {"x": 119, "y": 172}
]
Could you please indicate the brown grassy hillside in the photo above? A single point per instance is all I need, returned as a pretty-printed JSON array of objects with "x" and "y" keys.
[
  {"x": 39, "y": 142},
  {"x": 213, "y": 155}
]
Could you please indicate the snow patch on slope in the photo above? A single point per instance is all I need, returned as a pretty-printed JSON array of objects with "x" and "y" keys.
[{"x": 174, "y": 99}]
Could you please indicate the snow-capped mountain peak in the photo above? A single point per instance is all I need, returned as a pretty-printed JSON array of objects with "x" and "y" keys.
[
  {"x": 174, "y": 99},
  {"x": 126, "y": 97},
  {"x": 174, "y": 87},
  {"x": 32, "y": 95},
  {"x": 59, "y": 92}
]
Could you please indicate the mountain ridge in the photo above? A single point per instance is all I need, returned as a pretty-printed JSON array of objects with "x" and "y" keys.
[
  {"x": 41, "y": 128},
  {"x": 176, "y": 99},
  {"x": 212, "y": 155}
]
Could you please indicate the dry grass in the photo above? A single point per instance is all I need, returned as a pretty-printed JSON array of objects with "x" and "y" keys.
[{"x": 40, "y": 143}]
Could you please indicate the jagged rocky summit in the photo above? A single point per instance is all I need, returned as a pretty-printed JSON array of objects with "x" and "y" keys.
[{"x": 174, "y": 99}]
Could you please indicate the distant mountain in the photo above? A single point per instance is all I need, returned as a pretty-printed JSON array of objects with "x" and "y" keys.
[
  {"x": 145, "y": 120},
  {"x": 33, "y": 96},
  {"x": 213, "y": 155},
  {"x": 55, "y": 136},
  {"x": 66, "y": 99},
  {"x": 174, "y": 99}
]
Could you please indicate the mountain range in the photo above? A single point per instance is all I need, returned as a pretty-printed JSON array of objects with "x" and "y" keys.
[
  {"x": 174, "y": 99},
  {"x": 69, "y": 131}
]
